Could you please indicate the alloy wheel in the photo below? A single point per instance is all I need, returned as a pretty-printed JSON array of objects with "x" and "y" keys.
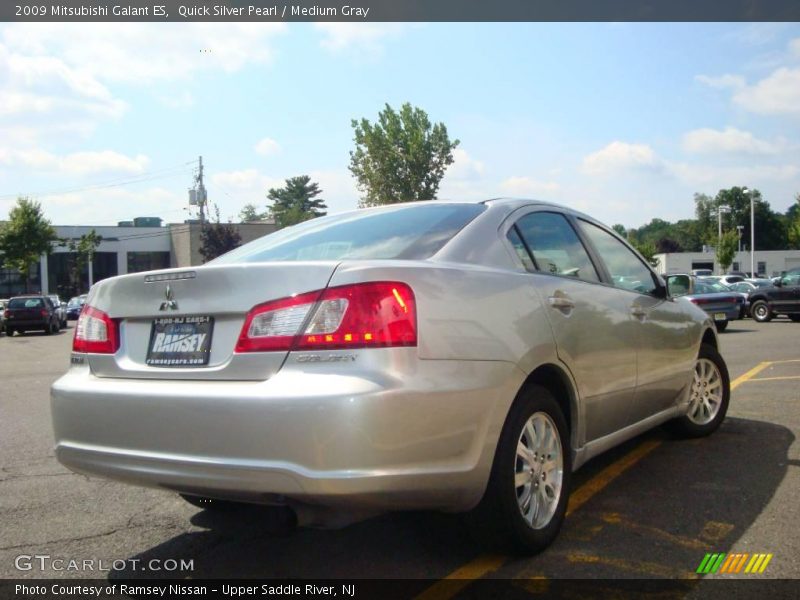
[
  {"x": 706, "y": 395},
  {"x": 539, "y": 470}
]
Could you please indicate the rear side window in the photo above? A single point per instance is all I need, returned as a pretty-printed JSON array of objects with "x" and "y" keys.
[
  {"x": 404, "y": 232},
  {"x": 555, "y": 246},
  {"x": 26, "y": 303},
  {"x": 627, "y": 271}
]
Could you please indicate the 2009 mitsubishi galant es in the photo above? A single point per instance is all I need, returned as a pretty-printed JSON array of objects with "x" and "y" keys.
[{"x": 438, "y": 355}]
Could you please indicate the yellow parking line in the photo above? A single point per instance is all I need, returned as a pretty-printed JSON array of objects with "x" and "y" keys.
[
  {"x": 751, "y": 373},
  {"x": 481, "y": 566},
  {"x": 679, "y": 540},
  {"x": 632, "y": 566},
  {"x": 775, "y": 378}
]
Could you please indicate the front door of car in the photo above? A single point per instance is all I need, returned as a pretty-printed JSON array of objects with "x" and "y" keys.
[
  {"x": 594, "y": 334},
  {"x": 665, "y": 333},
  {"x": 787, "y": 297}
]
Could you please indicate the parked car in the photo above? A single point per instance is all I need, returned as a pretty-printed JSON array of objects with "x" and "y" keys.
[
  {"x": 702, "y": 272},
  {"x": 730, "y": 279},
  {"x": 61, "y": 310},
  {"x": 31, "y": 313},
  {"x": 439, "y": 355},
  {"x": 74, "y": 307},
  {"x": 748, "y": 287},
  {"x": 717, "y": 300},
  {"x": 3, "y": 315},
  {"x": 782, "y": 298}
]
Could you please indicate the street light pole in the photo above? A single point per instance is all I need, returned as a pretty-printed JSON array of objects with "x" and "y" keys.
[{"x": 752, "y": 233}]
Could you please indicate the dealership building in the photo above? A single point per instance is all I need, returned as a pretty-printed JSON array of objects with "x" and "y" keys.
[
  {"x": 768, "y": 263},
  {"x": 130, "y": 247}
]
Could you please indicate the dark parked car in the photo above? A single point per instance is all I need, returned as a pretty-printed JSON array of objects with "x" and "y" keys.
[
  {"x": 717, "y": 300},
  {"x": 748, "y": 287},
  {"x": 31, "y": 313},
  {"x": 783, "y": 298},
  {"x": 74, "y": 307}
]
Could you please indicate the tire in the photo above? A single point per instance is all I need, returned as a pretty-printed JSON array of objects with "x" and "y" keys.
[
  {"x": 501, "y": 520},
  {"x": 721, "y": 325},
  {"x": 709, "y": 396},
  {"x": 761, "y": 312},
  {"x": 795, "y": 318},
  {"x": 210, "y": 503},
  {"x": 50, "y": 329},
  {"x": 9, "y": 332}
]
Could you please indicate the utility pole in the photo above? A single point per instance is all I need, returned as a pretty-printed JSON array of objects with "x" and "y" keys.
[{"x": 197, "y": 195}]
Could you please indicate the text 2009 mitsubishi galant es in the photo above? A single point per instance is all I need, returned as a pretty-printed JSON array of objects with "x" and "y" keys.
[{"x": 439, "y": 355}]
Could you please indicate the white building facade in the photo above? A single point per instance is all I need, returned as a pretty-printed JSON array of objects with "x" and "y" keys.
[{"x": 768, "y": 263}]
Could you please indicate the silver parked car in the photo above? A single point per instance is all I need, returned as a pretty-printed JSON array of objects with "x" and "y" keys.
[{"x": 437, "y": 355}]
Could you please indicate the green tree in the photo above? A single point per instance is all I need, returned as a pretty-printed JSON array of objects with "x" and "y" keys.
[
  {"x": 217, "y": 238},
  {"x": 402, "y": 157},
  {"x": 25, "y": 237},
  {"x": 770, "y": 228},
  {"x": 249, "y": 213},
  {"x": 793, "y": 224},
  {"x": 296, "y": 202},
  {"x": 726, "y": 249},
  {"x": 620, "y": 229},
  {"x": 648, "y": 251},
  {"x": 82, "y": 250}
]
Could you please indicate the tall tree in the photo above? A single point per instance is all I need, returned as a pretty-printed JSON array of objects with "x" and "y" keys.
[
  {"x": 726, "y": 249},
  {"x": 82, "y": 250},
  {"x": 217, "y": 238},
  {"x": 296, "y": 202},
  {"x": 620, "y": 229},
  {"x": 249, "y": 213},
  {"x": 402, "y": 157},
  {"x": 25, "y": 237},
  {"x": 793, "y": 224}
]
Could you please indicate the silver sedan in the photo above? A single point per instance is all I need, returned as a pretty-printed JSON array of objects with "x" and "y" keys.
[{"x": 440, "y": 355}]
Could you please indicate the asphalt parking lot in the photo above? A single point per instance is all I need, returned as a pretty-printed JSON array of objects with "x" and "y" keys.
[{"x": 652, "y": 508}]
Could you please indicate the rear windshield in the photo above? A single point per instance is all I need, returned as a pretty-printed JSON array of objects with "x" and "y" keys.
[
  {"x": 404, "y": 232},
  {"x": 26, "y": 303}
]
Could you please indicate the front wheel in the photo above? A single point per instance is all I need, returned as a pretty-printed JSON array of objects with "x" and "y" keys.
[
  {"x": 708, "y": 397},
  {"x": 526, "y": 499},
  {"x": 721, "y": 325},
  {"x": 761, "y": 312}
]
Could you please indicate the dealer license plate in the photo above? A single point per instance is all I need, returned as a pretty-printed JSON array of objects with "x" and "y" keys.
[{"x": 180, "y": 341}]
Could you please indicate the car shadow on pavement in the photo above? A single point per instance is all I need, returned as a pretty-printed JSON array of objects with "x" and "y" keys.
[{"x": 656, "y": 518}]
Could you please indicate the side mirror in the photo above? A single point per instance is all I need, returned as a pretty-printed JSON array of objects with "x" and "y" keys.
[
  {"x": 677, "y": 285},
  {"x": 779, "y": 283}
]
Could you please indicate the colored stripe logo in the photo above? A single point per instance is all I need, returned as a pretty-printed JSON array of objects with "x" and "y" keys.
[{"x": 734, "y": 563}]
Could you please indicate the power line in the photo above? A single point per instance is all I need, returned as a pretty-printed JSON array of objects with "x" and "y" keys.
[{"x": 119, "y": 182}]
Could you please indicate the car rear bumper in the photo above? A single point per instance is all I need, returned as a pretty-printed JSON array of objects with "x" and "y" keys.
[
  {"x": 27, "y": 324},
  {"x": 731, "y": 312},
  {"x": 423, "y": 440}
]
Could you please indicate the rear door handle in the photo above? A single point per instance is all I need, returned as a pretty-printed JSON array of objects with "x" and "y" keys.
[
  {"x": 638, "y": 312},
  {"x": 562, "y": 303}
]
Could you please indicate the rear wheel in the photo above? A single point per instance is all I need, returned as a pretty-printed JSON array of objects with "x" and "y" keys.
[
  {"x": 526, "y": 499},
  {"x": 708, "y": 398},
  {"x": 761, "y": 311},
  {"x": 795, "y": 318},
  {"x": 9, "y": 331},
  {"x": 721, "y": 325},
  {"x": 50, "y": 329}
]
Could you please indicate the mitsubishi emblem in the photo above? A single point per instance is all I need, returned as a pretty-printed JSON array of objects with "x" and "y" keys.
[{"x": 171, "y": 303}]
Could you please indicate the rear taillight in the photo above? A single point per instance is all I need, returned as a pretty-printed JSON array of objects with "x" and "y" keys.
[
  {"x": 95, "y": 333},
  {"x": 363, "y": 315},
  {"x": 44, "y": 313}
]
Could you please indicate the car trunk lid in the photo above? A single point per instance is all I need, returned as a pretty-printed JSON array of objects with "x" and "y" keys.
[{"x": 145, "y": 304}]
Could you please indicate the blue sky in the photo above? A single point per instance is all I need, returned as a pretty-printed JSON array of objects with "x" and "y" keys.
[{"x": 624, "y": 121}]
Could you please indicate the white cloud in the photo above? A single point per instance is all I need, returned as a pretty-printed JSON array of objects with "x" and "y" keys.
[
  {"x": 715, "y": 177},
  {"x": 622, "y": 156},
  {"x": 76, "y": 163},
  {"x": 776, "y": 94},
  {"x": 464, "y": 167},
  {"x": 728, "y": 141},
  {"x": 360, "y": 37},
  {"x": 527, "y": 186},
  {"x": 722, "y": 81},
  {"x": 177, "y": 101},
  {"x": 267, "y": 147}
]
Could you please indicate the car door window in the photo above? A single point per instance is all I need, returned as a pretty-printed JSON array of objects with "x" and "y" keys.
[
  {"x": 555, "y": 246},
  {"x": 791, "y": 279},
  {"x": 626, "y": 269}
]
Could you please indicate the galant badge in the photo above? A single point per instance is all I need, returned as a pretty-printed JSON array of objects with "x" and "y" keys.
[{"x": 171, "y": 303}]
